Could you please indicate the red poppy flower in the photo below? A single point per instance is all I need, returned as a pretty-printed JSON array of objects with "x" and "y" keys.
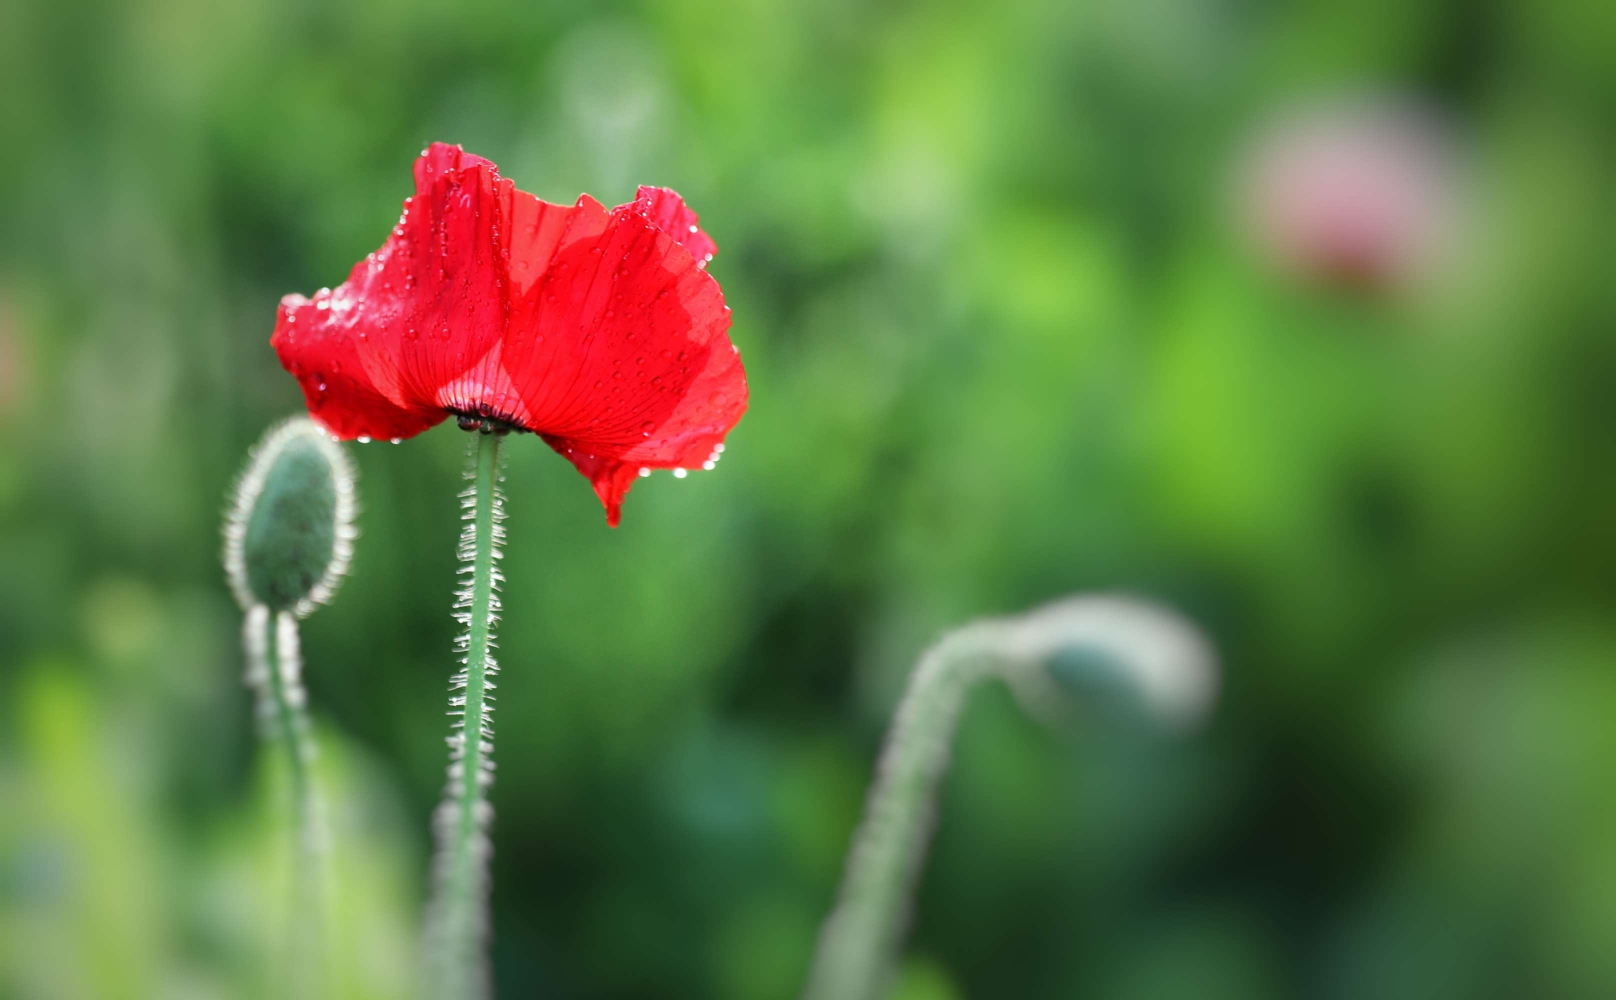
[{"x": 600, "y": 330}]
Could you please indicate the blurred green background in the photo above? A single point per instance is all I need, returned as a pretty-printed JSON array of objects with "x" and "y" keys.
[{"x": 1009, "y": 336}]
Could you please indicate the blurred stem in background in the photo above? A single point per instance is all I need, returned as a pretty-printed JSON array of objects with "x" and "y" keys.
[
  {"x": 457, "y": 921},
  {"x": 1045, "y": 655},
  {"x": 288, "y": 539}
]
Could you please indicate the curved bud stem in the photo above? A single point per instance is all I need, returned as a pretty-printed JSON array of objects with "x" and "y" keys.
[
  {"x": 457, "y": 920},
  {"x": 288, "y": 538},
  {"x": 274, "y": 671},
  {"x": 862, "y": 935},
  {"x": 1162, "y": 657}
]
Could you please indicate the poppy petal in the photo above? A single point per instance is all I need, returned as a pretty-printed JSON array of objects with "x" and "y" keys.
[
  {"x": 418, "y": 312},
  {"x": 347, "y": 397},
  {"x": 664, "y": 207},
  {"x": 622, "y": 358}
]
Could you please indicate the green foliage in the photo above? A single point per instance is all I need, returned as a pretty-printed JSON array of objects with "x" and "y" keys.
[{"x": 1004, "y": 343}]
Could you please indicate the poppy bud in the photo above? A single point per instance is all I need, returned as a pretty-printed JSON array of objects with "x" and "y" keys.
[
  {"x": 1114, "y": 649},
  {"x": 289, "y": 534}
]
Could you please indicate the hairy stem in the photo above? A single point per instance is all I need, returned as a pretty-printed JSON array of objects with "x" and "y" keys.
[
  {"x": 862, "y": 935},
  {"x": 458, "y": 920},
  {"x": 275, "y": 669},
  {"x": 1165, "y": 661}
]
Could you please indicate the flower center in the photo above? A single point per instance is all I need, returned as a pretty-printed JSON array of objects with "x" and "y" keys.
[{"x": 487, "y": 420}]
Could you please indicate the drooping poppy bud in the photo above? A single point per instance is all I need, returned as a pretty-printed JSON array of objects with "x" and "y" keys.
[
  {"x": 600, "y": 330},
  {"x": 289, "y": 534}
]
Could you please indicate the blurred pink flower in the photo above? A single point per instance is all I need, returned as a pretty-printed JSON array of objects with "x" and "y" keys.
[
  {"x": 11, "y": 360},
  {"x": 1361, "y": 194}
]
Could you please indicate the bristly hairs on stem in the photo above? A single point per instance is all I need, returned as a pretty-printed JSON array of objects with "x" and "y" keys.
[
  {"x": 457, "y": 916},
  {"x": 288, "y": 540},
  {"x": 275, "y": 673},
  {"x": 1160, "y": 656}
]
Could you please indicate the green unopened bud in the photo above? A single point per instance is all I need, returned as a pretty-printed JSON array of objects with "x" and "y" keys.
[
  {"x": 289, "y": 535},
  {"x": 1122, "y": 651}
]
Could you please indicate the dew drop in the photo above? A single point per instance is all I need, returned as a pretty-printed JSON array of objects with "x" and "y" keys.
[
  {"x": 719, "y": 447},
  {"x": 363, "y": 439},
  {"x": 646, "y": 428},
  {"x": 644, "y": 472},
  {"x": 397, "y": 440},
  {"x": 680, "y": 473}
]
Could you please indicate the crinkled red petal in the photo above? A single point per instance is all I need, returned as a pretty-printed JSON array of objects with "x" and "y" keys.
[
  {"x": 348, "y": 396},
  {"x": 622, "y": 357},
  {"x": 599, "y": 330},
  {"x": 413, "y": 316},
  {"x": 668, "y": 211}
]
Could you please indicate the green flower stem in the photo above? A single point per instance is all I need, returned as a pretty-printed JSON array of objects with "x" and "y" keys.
[
  {"x": 1165, "y": 663},
  {"x": 276, "y": 671},
  {"x": 1163, "y": 659},
  {"x": 291, "y": 723},
  {"x": 861, "y": 937},
  {"x": 458, "y": 924}
]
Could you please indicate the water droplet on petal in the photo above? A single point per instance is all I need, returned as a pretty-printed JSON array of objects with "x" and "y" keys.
[
  {"x": 709, "y": 465},
  {"x": 397, "y": 440},
  {"x": 680, "y": 473},
  {"x": 363, "y": 439},
  {"x": 644, "y": 472}
]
